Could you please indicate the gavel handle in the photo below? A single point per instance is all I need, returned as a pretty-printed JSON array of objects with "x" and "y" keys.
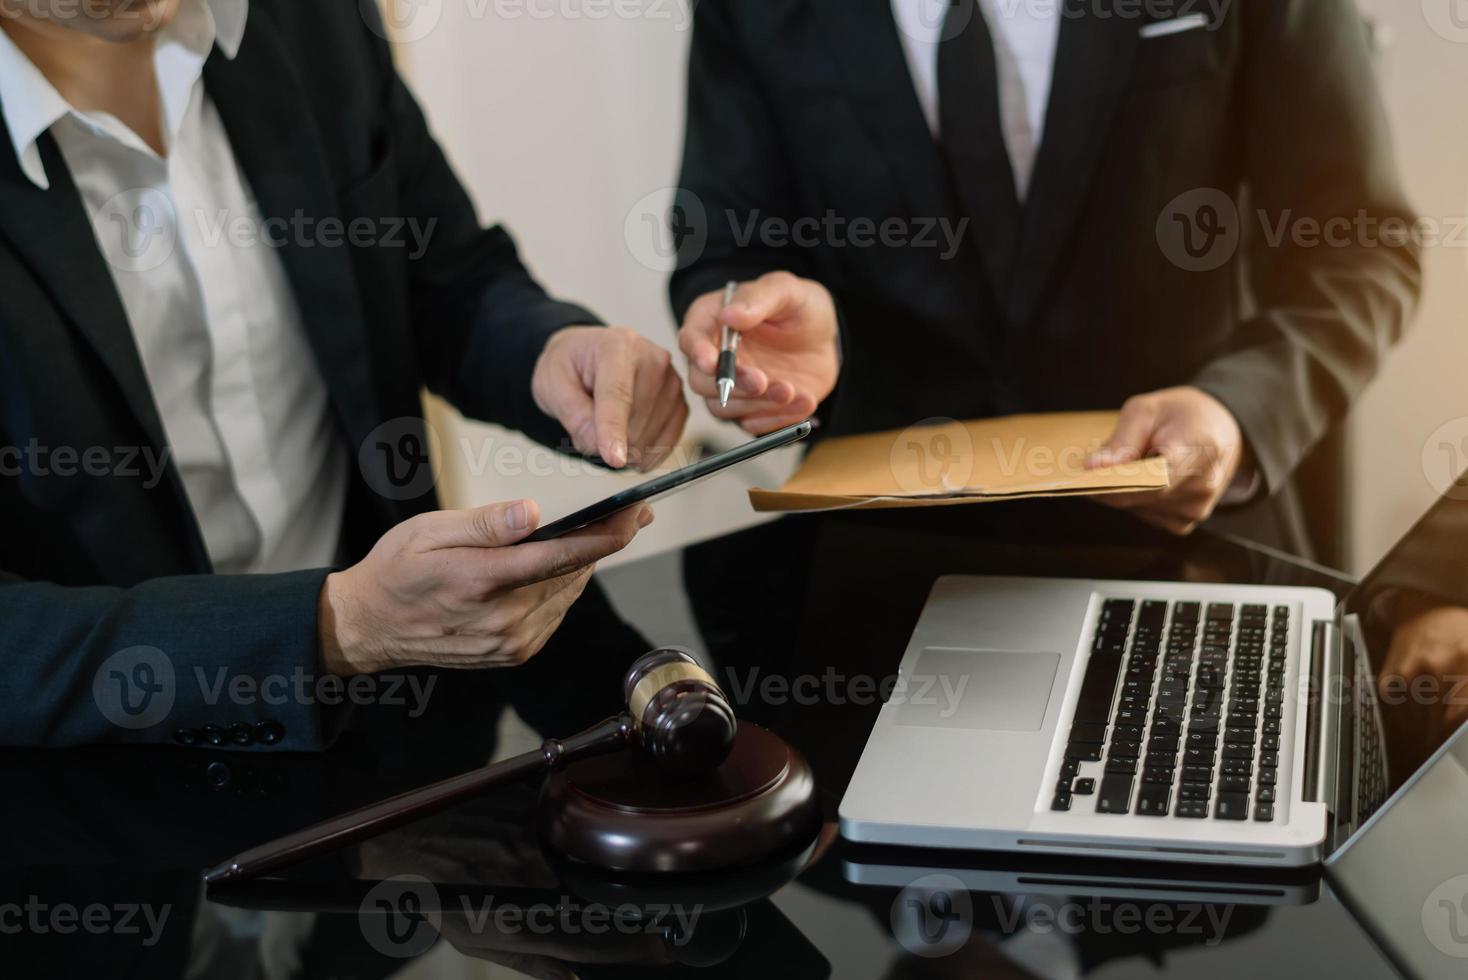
[{"x": 607, "y": 736}]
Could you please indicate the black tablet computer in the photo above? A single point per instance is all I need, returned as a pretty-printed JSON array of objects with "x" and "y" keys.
[{"x": 668, "y": 482}]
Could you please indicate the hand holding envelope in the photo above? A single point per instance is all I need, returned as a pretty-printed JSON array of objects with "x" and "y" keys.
[{"x": 951, "y": 462}]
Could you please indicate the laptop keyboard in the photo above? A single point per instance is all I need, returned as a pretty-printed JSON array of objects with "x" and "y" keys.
[{"x": 1181, "y": 706}]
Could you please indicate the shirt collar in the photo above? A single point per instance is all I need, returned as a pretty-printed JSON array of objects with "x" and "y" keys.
[{"x": 30, "y": 104}]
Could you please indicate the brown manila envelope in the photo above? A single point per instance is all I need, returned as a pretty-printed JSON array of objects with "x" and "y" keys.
[{"x": 948, "y": 462}]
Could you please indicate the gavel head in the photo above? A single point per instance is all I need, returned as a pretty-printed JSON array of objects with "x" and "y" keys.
[{"x": 682, "y": 717}]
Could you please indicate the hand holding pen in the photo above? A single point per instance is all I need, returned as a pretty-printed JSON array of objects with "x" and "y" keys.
[{"x": 764, "y": 353}]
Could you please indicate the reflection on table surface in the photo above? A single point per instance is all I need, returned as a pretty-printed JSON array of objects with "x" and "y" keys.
[{"x": 96, "y": 832}]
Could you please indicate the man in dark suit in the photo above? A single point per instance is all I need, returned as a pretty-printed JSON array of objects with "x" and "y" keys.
[
  {"x": 1187, "y": 211},
  {"x": 232, "y": 256}
]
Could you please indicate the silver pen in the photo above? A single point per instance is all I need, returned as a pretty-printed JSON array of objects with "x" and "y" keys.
[{"x": 728, "y": 346}]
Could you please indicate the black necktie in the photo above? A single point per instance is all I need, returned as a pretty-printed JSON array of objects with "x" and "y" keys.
[{"x": 973, "y": 139}]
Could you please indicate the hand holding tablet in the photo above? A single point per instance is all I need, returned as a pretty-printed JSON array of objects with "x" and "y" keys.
[{"x": 669, "y": 482}]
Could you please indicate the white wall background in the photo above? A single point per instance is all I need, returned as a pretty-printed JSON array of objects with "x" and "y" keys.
[
  {"x": 1421, "y": 400},
  {"x": 565, "y": 118}
]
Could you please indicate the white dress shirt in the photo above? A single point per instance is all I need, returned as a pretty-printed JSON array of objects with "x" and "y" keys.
[
  {"x": 1025, "y": 38},
  {"x": 217, "y": 327}
]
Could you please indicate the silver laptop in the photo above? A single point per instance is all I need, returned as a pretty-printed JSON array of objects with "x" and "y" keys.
[{"x": 1170, "y": 722}]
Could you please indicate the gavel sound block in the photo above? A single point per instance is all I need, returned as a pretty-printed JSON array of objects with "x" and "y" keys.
[
  {"x": 618, "y": 812},
  {"x": 704, "y": 792}
]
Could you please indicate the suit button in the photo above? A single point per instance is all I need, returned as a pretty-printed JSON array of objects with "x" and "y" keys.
[
  {"x": 186, "y": 736},
  {"x": 241, "y": 734},
  {"x": 212, "y": 734},
  {"x": 217, "y": 774},
  {"x": 269, "y": 732}
]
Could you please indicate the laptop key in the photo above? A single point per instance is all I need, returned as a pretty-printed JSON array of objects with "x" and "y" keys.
[
  {"x": 1061, "y": 801},
  {"x": 1097, "y": 689},
  {"x": 1125, "y": 750},
  {"x": 1115, "y": 793},
  {"x": 1088, "y": 731},
  {"x": 1153, "y": 799},
  {"x": 1264, "y": 811},
  {"x": 1157, "y": 774},
  {"x": 1124, "y": 767},
  {"x": 1265, "y": 794},
  {"x": 1083, "y": 752},
  {"x": 1084, "y": 787},
  {"x": 1192, "y": 809},
  {"x": 1193, "y": 792},
  {"x": 1231, "y": 806}
]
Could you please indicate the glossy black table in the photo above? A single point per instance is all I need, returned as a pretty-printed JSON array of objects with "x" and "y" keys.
[{"x": 101, "y": 849}]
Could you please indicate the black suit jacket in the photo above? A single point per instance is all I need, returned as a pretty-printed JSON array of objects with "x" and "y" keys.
[
  {"x": 806, "y": 108},
  {"x": 96, "y": 564}
]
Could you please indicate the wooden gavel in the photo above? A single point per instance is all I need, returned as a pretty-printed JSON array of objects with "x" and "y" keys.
[{"x": 675, "y": 711}]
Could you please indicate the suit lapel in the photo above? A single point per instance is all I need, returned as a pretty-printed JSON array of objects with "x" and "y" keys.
[
  {"x": 866, "y": 48},
  {"x": 264, "y": 107},
  {"x": 1092, "y": 68},
  {"x": 53, "y": 234}
]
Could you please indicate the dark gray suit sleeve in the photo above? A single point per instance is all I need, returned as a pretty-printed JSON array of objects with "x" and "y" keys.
[
  {"x": 137, "y": 665},
  {"x": 480, "y": 318},
  {"x": 1318, "y": 150}
]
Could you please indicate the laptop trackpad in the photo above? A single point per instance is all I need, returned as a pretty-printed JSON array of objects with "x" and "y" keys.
[{"x": 987, "y": 690}]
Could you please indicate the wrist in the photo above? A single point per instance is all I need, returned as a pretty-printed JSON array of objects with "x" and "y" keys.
[{"x": 338, "y": 643}]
